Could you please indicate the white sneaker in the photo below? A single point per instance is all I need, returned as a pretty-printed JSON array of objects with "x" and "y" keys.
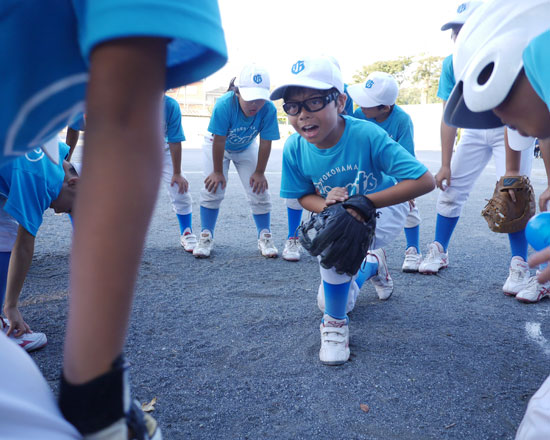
[
  {"x": 382, "y": 280},
  {"x": 204, "y": 246},
  {"x": 334, "y": 341},
  {"x": 28, "y": 341},
  {"x": 189, "y": 241},
  {"x": 435, "y": 260},
  {"x": 352, "y": 297},
  {"x": 266, "y": 246},
  {"x": 292, "y": 249},
  {"x": 518, "y": 278},
  {"x": 412, "y": 260},
  {"x": 534, "y": 291}
]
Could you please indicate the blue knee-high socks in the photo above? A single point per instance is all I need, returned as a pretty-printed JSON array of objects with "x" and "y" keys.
[
  {"x": 336, "y": 298},
  {"x": 4, "y": 264},
  {"x": 294, "y": 220},
  {"x": 185, "y": 221},
  {"x": 444, "y": 227},
  {"x": 413, "y": 237},
  {"x": 208, "y": 219},
  {"x": 367, "y": 271},
  {"x": 518, "y": 244},
  {"x": 263, "y": 222}
]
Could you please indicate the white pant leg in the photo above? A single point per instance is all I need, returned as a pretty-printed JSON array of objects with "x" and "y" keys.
[
  {"x": 471, "y": 157},
  {"x": 293, "y": 204},
  {"x": 209, "y": 199},
  {"x": 27, "y": 406},
  {"x": 181, "y": 203},
  {"x": 245, "y": 162},
  {"x": 535, "y": 424},
  {"x": 413, "y": 217},
  {"x": 389, "y": 224},
  {"x": 8, "y": 229}
]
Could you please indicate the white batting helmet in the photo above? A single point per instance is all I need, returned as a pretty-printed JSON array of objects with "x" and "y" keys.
[{"x": 488, "y": 58}]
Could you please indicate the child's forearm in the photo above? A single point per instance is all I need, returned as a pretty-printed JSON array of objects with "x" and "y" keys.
[
  {"x": 263, "y": 155},
  {"x": 513, "y": 157},
  {"x": 112, "y": 213},
  {"x": 218, "y": 150},
  {"x": 404, "y": 191},
  {"x": 175, "y": 154},
  {"x": 20, "y": 262},
  {"x": 313, "y": 202}
]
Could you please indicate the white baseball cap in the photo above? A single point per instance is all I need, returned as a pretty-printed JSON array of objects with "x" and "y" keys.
[
  {"x": 253, "y": 83},
  {"x": 380, "y": 88},
  {"x": 313, "y": 73},
  {"x": 463, "y": 11}
]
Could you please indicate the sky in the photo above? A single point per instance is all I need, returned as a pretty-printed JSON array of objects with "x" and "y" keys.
[{"x": 277, "y": 33}]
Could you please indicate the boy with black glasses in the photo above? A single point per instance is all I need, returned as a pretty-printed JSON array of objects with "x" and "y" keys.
[{"x": 332, "y": 157}]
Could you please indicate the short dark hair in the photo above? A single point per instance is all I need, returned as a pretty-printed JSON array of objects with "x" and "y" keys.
[{"x": 232, "y": 87}]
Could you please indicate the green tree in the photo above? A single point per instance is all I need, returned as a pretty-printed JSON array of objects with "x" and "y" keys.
[
  {"x": 426, "y": 77},
  {"x": 397, "y": 68}
]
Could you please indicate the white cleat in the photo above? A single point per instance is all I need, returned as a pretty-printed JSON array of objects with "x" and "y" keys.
[
  {"x": 382, "y": 281},
  {"x": 518, "y": 278},
  {"x": 435, "y": 259},
  {"x": 204, "y": 246},
  {"x": 334, "y": 341},
  {"x": 534, "y": 291},
  {"x": 412, "y": 260},
  {"x": 292, "y": 249},
  {"x": 266, "y": 246},
  {"x": 188, "y": 241}
]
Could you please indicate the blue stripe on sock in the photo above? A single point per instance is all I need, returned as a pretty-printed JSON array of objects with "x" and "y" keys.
[
  {"x": 4, "y": 264},
  {"x": 208, "y": 219},
  {"x": 367, "y": 271}
]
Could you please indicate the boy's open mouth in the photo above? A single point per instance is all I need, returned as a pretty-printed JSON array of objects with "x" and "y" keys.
[{"x": 310, "y": 130}]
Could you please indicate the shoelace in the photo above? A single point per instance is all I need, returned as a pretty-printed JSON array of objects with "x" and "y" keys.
[{"x": 293, "y": 245}]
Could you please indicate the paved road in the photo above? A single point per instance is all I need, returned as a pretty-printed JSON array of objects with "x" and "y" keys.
[{"x": 229, "y": 345}]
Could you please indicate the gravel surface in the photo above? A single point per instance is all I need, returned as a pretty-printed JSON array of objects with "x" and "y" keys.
[{"x": 229, "y": 345}]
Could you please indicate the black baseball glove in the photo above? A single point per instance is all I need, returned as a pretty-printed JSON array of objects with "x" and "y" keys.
[{"x": 340, "y": 239}]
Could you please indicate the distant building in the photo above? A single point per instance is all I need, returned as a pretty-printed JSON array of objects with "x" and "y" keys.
[{"x": 194, "y": 100}]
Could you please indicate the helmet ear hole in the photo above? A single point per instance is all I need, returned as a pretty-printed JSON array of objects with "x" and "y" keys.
[{"x": 485, "y": 74}]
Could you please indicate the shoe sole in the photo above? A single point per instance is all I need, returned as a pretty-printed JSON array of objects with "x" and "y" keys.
[
  {"x": 431, "y": 272},
  {"x": 510, "y": 293},
  {"x": 34, "y": 348},
  {"x": 409, "y": 270},
  {"x": 270, "y": 256},
  {"x": 529, "y": 301},
  {"x": 334, "y": 363},
  {"x": 201, "y": 256},
  {"x": 291, "y": 259}
]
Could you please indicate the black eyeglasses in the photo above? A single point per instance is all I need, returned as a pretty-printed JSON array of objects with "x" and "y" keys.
[{"x": 312, "y": 105}]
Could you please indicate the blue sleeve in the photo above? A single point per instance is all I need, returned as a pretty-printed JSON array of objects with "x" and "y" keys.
[
  {"x": 270, "y": 129},
  {"x": 293, "y": 183},
  {"x": 220, "y": 122},
  {"x": 348, "y": 108},
  {"x": 358, "y": 113},
  {"x": 405, "y": 137},
  {"x": 78, "y": 124},
  {"x": 392, "y": 159},
  {"x": 27, "y": 200},
  {"x": 193, "y": 27},
  {"x": 172, "y": 119},
  {"x": 447, "y": 79}
]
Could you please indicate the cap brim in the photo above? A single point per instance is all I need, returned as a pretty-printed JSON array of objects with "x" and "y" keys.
[
  {"x": 308, "y": 83},
  {"x": 451, "y": 24},
  {"x": 457, "y": 113},
  {"x": 253, "y": 93},
  {"x": 359, "y": 96}
]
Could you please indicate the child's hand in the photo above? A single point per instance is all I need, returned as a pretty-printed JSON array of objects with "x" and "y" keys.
[
  {"x": 443, "y": 178},
  {"x": 213, "y": 180},
  {"x": 335, "y": 195},
  {"x": 540, "y": 258},
  {"x": 183, "y": 185},
  {"x": 258, "y": 182},
  {"x": 18, "y": 326}
]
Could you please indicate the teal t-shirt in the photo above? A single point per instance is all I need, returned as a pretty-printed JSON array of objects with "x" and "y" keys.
[
  {"x": 398, "y": 125},
  {"x": 173, "y": 130},
  {"x": 229, "y": 120},
  {"x": 536, "y": 62},
  {"x": 30, "y": 184},
  {"x": 46, "y": 47},
  {"x": 447, "y": 79},
  {"x": 365, "y": 160}
]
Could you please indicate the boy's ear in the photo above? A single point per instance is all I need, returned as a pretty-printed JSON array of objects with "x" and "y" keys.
[
  {"x": 341, "y": 102},
  {"x": 73, "y": 181}
]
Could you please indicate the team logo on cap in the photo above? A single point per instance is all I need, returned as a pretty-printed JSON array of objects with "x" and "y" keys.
[
  {"x": 461, "y": 8},
  {"x": 298, "y": 67},
  {"x": 369, "y": 84},
  {"x": 257, "y": 78}
]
